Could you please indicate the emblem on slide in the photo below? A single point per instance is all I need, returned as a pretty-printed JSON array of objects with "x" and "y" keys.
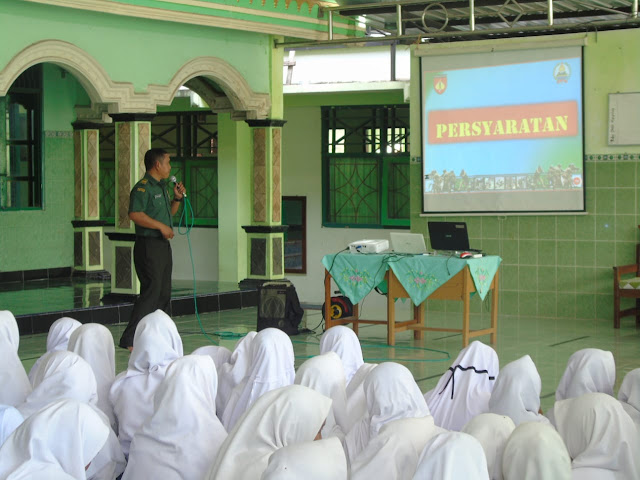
[
  {"x": 576, "y": 180},
  {"x": 440, "y": 84},
  {"x": 562, "y": 72}
]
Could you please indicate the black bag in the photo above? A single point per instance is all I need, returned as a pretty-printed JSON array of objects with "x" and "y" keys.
[{"x": 279, "y": 307}]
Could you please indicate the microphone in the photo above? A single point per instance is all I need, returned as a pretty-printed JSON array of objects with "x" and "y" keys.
[{"x": 173, "y": 179}]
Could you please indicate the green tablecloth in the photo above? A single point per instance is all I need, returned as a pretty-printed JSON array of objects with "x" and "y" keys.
[{"x": 420, "y": 275}]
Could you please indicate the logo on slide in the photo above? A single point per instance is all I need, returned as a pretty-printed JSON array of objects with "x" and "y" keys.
[
  {"x": 562, "y": 72},
  {"x": 576, "y": 180},
  {"x": 440, "y": 84}
]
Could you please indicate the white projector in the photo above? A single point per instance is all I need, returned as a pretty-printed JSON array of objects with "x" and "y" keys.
[{"x": 369, "y": 246}]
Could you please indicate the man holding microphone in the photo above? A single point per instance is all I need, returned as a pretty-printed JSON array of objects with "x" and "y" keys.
[{"x": 151, "y": 208}]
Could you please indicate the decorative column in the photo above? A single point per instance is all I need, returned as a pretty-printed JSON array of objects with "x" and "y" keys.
[
  {"x": 133, "y": 139},
  {"x": 87, "y": 226},
  {"x": 266, "y": 233}
]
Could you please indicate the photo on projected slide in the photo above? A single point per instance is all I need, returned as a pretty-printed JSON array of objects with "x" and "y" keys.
[{"x": 502, "y": 132}]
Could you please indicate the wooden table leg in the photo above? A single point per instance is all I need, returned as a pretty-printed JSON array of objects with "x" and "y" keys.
[
  {"x": 327, "y": 301},
  {"x": 494, "y": 309},
  {"x": 418, "y": 314},
  {"x": 465, "y": 307},
  {"x": 391, "y": 318}
]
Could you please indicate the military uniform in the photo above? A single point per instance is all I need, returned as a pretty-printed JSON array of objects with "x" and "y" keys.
[{"x": 151, "y": 253}]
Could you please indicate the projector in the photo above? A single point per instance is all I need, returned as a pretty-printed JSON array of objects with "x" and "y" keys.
[{"x": 369, "y": 246}]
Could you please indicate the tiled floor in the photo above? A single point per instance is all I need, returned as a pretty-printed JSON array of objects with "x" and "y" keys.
[{"x": 549, "y": 342}]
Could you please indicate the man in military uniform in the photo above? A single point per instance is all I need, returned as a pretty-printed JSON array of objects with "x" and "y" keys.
[{"x": 151, "y": 209}]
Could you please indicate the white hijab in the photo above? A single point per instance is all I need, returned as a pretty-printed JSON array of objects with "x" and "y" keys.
[
  {"x": 62, "y": 438},
  {"x": 392, "y": 394},
  {"x": 57, "y": 339},
  {"x": 181, "y": 440},
  {"x": 13, "y": 378},
  {"x": 272, "y": 366},
  {"x": 324, "y": 374},
  {"x": 600, "y": 437},
  {"x": 155, "y": 345},
  {"x": 10, "y": 419},
  {"x": 279, "y": 418},
  {"x": 492, "y": 431},
  {"x": 61, "y": 375},
  {"x": 629, "y": 395},
  {"x": 517, "y": 392},
  {"x": 319, "y": 460},
  {"x": 344, "y": 342},
  {"x": 394, "y": 453},
  {"x": 356, "y": 400},
  {"x": 94, "y": 343},
  {"x": 230, "y": 374},
  {"x": 464, "y": 390},
  {"x": 535, "y": 451},
  {"x": 219, "y": 355},
  {"x": 452, "y": 456},
  {"x": 589, "y": 370}
]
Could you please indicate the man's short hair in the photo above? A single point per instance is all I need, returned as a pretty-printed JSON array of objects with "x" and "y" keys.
[{"x": 152, "y": 156}]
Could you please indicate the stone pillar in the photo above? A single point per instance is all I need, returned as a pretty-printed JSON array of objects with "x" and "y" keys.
[
  {"x": 265, "y": 235},
  {"x": 133, "y": 139},
  {"x": 87, "y": 226}
]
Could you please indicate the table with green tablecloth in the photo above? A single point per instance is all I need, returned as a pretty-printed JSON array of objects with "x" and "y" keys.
[{"x": 417, "y": 277}]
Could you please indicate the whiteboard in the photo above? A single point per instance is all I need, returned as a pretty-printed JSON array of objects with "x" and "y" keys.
[{"x": 624, "y": 119}]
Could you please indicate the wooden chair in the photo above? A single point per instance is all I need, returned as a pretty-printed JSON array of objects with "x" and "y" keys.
[{"x": 626, "y": 286}]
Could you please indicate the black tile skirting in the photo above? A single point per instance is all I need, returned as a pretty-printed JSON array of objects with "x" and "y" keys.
[{"x": 26, "y": 275}]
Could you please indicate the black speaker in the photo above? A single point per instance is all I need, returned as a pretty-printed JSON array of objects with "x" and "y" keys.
[{"x": 279, "y": 307}]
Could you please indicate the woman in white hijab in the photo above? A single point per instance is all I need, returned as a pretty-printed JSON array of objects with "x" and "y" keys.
[
  {"x": 464, "y": 390},
  {"x": 600, "y": 437},
  {"x": 452, "y": 456},
  {"x": 272, "y": 366},
  {"x": 57, "y": 339},
  {"x": 94, "y": 343},
  {"x": 219, "y": 355},
  {"x": 155, "y": 345},
  {"x": 324, "y": 374},
  {"x": 392, "y": 394},
  {"x": 58, "y": 442},
  {"x": 535, "y": 451},
  {"x": 279, "y": 418},
  {"x": 517, "y": 392},
  {"x": 10, "y": 419},
  {"x": 181, "y": 440},
  {"x": 319, "y": 460},
  {"x": 13, "y": 377},
  {"x": 588, "y": 371},
  {"x": 492, "y": 431},
  {"x": 629, "y": 395},
  {"x": 230, "y": 374}
]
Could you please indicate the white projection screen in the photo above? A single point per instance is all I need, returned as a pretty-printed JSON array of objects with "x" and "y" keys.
[{"x": 503, "y": 132}]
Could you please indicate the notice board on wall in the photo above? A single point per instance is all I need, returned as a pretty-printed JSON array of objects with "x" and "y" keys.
[{"x": 624, "y": 119}]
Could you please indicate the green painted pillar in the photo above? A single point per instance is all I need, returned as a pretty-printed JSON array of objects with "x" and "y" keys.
[
  {"x": 133, "y": 139},
  {"x": 87, "y": 226}
]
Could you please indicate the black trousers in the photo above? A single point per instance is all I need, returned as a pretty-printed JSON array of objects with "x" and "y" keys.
[{"x": 153, "y": 261}]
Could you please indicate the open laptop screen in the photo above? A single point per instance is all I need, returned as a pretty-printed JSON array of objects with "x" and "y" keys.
[{"x": 449, "y": 236}]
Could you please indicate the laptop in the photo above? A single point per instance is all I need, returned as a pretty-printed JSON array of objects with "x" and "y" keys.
[
  {"x": 408, "y": 243},
  {"x": 451, "y": 236}
]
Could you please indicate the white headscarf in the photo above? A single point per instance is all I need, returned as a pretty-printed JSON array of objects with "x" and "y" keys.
[
  {"x": 344, "y": 342},
  {"x": 13, "y": 378},
  {"x": 230, "y": 374},
  {"x": 181, "y": 440},
  {"x": 517, "y": 392},
  {"x": 629, "y": 395},
  {"x": 392, "y": 394},
  {"x": 589, "y": 370},
  {"x": 464, "y": 390},
  {"x": 61, "y": 375},
  {"x": 356, "y": 400},
  {"x": 156, "y": 344},
  {"x": 272, "y": 366},
  {"x": 281, "y": 417},
  {"x": 324, "y": 374},
  {"x": 10, "y": 419},
  {"x": 394, "y": 453},
  {"x": 319, "y": 460},
  {"x": 452, "y": 456},
  {"x": 57, "y": 339},
  {"x": 63, "y": 437},
  {"x": 94, "y": 343},
  {"x": 219, "y": 355},
  {"x": 492, "y": 431},
  {"x": 600, "y": 437},
  {"x": 535, "y": 451}
]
